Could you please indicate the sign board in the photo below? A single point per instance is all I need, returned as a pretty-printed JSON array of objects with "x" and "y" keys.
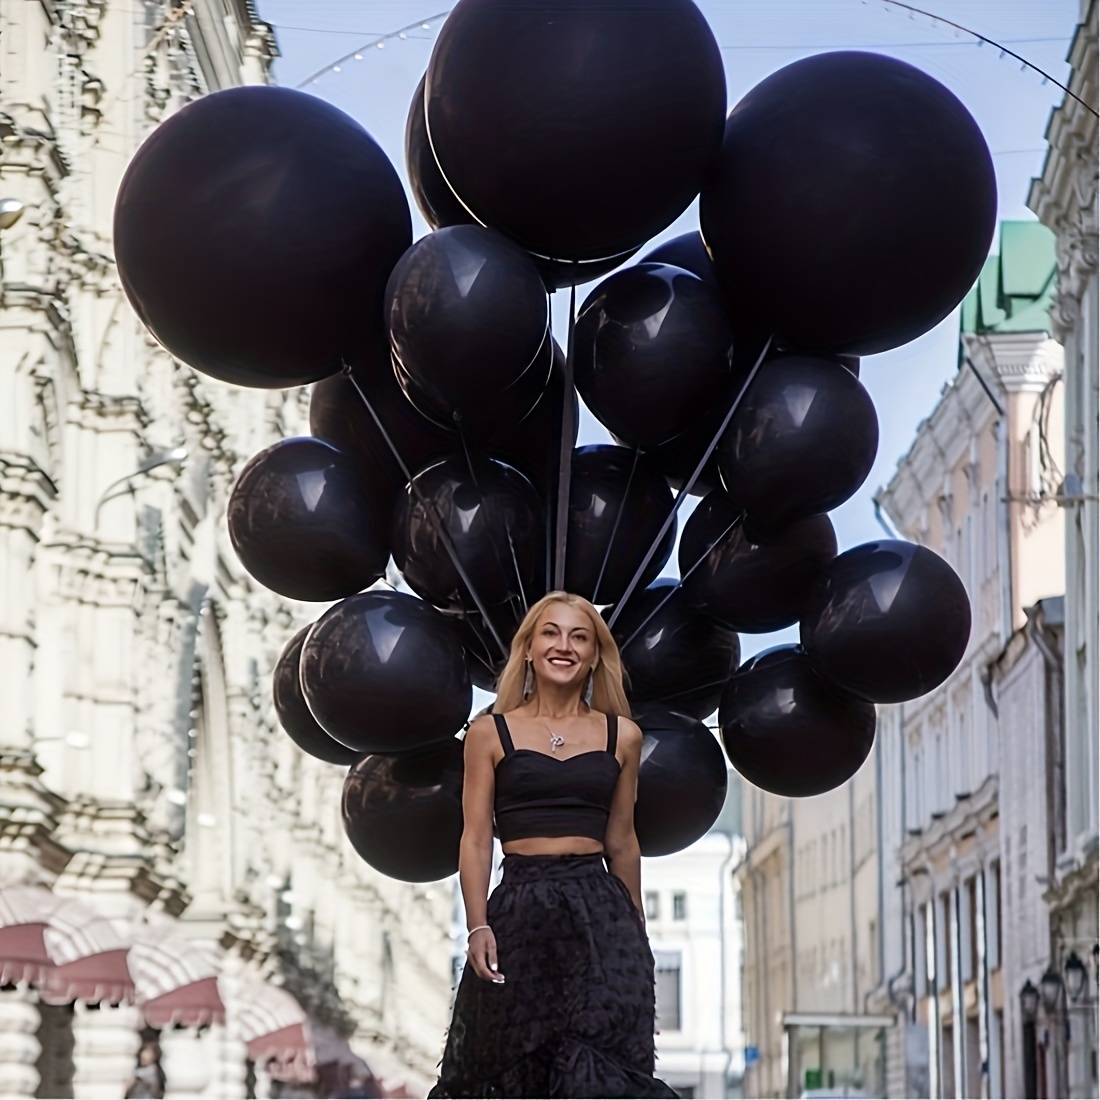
[{"x": 752, "y": 1056}]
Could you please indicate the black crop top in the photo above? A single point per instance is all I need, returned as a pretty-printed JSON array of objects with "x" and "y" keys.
[{"x": 542, "y": 795}]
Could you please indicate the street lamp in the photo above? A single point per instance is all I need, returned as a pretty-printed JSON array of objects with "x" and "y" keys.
[
  {"x": 1077, "y": 977},
  {"x": 175, "y": 457},
  {"x": 1050, "y": 987},
  {"x": 1029, "y": 1002}
]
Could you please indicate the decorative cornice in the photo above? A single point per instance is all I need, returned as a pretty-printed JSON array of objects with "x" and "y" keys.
[{"x": 26, "y": 492}]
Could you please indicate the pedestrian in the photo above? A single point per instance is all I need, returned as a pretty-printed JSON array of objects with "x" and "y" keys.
[
  {"x": 148, "y": 1080},
  {"x": 557, "y": 997}
]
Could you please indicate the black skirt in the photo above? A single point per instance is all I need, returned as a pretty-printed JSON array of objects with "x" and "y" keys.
[{"x": 575, "y": 1015}]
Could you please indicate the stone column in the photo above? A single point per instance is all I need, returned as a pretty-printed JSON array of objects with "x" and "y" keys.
[
  {"x": 105, "y": 1047},
  {"x": 19, "y": 1047},
  {"x": 232, "y": 1052},
  {"x": 187, "y": 1060}
]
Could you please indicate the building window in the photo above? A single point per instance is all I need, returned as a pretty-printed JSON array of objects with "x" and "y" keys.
[
  {"x": 652, "y": 905},
  {"x": 667, "y": 982},
  {"x": 679, "y": 906}
]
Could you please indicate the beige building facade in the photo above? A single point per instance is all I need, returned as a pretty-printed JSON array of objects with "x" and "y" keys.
[{"x": 144, "y": 782}]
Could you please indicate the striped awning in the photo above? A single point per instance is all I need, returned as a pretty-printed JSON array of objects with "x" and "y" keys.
[
  {"x": 274, "y": 1027},
  {"x": 63, "y": 946},
  {"x": 176, "y": 979}
]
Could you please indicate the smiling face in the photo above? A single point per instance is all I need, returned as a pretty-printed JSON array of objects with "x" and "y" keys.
[{"x": 563, "y": 647}]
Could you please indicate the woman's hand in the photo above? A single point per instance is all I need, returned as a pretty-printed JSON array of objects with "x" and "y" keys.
[{"x": 482, "y": 953}]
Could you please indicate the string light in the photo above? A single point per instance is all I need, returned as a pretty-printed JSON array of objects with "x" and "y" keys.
[
  {"x": 379, "y": 43},
  {"x": 982, "y": 40}
]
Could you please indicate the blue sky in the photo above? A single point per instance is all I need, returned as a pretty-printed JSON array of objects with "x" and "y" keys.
[{"x": 1011, "y": 105}]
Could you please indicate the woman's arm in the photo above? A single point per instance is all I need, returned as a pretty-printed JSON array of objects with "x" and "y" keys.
[
  {"x": 621, "y": 842},
  {"x": 475, "y": 850}
]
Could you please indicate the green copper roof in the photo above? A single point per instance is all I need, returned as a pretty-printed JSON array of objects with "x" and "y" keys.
[{"x": 1014, "y": 291}]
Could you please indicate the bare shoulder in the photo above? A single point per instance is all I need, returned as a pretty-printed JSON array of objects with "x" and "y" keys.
[
  {"x": 630, "y": 734},
  {"x": 481, "y": 737}
]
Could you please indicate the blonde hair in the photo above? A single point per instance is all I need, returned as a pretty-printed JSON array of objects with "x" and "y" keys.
[{"x": 608, "y": 690}]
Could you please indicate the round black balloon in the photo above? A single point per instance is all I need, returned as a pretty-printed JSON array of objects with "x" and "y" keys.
[
  {"x": 672, "y": 654},
  {"x": 578, "y": 129},
  {"x": 254, "y": 232},
  {"x": 403, "y": 814},
  {"x": 617, "y": 504},
  {"x": 384, "y": 672},
  {"x": 433, "y": 195},
  {"x": 803, "y": 441},
  {"x": 681, "y": 782},
  {"x": 788, "y": 731},
  {"x": 853, "y": 203},
  {"x": 689, "y": 252},
  {"x": 294, "y": 715},
  {"x": 338, "y": 415},
  {"x": 749, "y": 582},
  {"x": 653, "y": 352},
  {"x": 305, "y": 524},
  {"x": 495, "y": 521},
  {"x": 888, "y": 621},
  {"x": 468, "y": 318}
]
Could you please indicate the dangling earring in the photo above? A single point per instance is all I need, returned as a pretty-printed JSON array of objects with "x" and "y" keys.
[
  {"x": 528, "y": 680},
  {"x": 587, "y": 696}
]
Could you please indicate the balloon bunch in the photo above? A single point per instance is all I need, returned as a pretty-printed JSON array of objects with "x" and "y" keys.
[{"x": 845, "y": 207}]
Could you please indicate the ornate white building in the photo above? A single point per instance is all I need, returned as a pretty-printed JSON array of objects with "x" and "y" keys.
[
  {"x": 979, "y": 486},
  {"x": 163, "y": 845},
  {"x": 1065, "y": 198}
]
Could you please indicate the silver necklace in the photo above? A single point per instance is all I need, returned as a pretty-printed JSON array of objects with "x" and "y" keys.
[{"x": 555, "y": 739}]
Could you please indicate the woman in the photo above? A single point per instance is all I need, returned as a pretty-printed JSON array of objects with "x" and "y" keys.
[{"x": 557, "y": 998}]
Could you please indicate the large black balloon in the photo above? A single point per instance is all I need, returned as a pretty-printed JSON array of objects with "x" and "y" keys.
[
  {"x": 468, "y": 320},
  {"x": 338, "y": 416},
  {"x": 384, "y": 672},
  {"x": 579, "y": 129},
  {"x": 681, "y": 782},
  {"x": 403, "y": 814},
  {"x": 305, "y": 523},
  {"x": 653, "y": 352},
  {"x": 254, "y": 232},
  {"x": 750, "y": 582},
  {"x": 790, "y": 732},
  {"x": 853, "y": 203},
  {"x": 294, "y": 715},
  {"x": 437, "y": 202},
  {"x": 887, "y": 621},
  {"x": 611, "y": 526},
  {"x": 495, "y": 521},
  {"x": 803, "y": 441},
  {"x": 679, "y": 657},
  {"x": 441, "y": 207}
]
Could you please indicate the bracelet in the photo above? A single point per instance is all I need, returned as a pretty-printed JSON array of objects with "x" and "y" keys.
[{"x": 477, "y": 929}]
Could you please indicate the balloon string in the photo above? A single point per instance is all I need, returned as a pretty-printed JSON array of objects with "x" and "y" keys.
[
  {"x": 690, "y": 484},
  {"x": 673, "y": 589},
  {"x": 427, "y": 505},
  {"x": 507, "y": 526},
  {"x": 565, "y": 456},
  {"x": 615, "y": 526}
]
